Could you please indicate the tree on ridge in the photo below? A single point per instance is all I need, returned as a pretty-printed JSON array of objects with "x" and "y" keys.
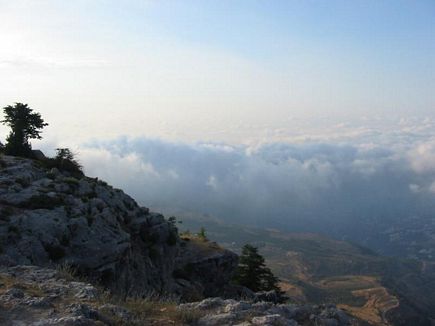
[{"x": 25, "y": 125}]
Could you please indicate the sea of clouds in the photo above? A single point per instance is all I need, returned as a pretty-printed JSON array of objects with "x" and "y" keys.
[{"x": 343, "y": 186}]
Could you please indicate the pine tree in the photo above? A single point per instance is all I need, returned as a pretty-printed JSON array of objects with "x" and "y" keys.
[
  {"x": 25, "y": 125},
  {"x": 253, "y": 273}
]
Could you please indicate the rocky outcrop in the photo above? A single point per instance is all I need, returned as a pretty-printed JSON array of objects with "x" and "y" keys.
[
  {"x": 210, "y": 266},
  {"x": 36, "y": 296},
  {"x": 31, "y": 295},
  {"x": 219, "y": 312},
  {"x": 48, "y": 217}
]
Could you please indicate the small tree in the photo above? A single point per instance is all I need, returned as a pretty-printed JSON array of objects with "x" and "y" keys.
[
  {"x": 65, "y": 160},
  {"x": 25, "y": 125},
  {"x": 253, "y": 273},
  {"x": 202, "y": 234}
]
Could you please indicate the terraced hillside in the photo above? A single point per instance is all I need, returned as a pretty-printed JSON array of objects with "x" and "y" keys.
[{"x": 313, "y": 268}]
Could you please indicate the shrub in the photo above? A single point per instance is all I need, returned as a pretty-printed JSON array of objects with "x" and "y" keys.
[
  {"x": 64, "y": 161},
  {"x": 188, "y": 316},
  {"x": 67, "y": 272}
]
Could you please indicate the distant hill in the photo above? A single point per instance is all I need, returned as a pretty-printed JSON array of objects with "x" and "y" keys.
[{"x": 314, "y": 268}]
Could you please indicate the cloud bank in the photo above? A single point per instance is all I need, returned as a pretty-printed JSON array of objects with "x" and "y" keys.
[{"x": 338, "y": 188}]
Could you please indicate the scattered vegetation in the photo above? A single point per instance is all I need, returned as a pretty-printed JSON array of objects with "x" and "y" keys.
[
  {"x": 151, "y": 310},
  {"x": 67, "y": 272},
  {"x": 64, "y": 161}
]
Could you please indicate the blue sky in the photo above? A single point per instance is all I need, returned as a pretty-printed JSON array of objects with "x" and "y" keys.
[{"x": 200, "y": 70}]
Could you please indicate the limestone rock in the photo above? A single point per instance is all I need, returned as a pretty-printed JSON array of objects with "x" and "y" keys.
[
  {"x": 233, "y": 312},
  {"x": 49, "y": 217}
]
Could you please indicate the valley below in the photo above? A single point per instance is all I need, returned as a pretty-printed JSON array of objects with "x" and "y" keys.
[{"x": 313, "y": 268}]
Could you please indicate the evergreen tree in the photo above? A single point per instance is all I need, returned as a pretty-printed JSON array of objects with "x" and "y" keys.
[
  {"x": 65, "y": 160},
  {"x": 25, "y": 125},
  {"x": 253, "y": 273}
]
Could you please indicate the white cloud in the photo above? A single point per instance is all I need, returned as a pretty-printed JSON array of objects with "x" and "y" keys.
[
  {"x": 310, "y": 186},
  {"x": 422, "y": 158},
  {"x": 414, "y": 188}
]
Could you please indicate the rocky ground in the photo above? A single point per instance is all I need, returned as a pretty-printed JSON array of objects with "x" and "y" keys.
[{"x": 31, "y": 295}]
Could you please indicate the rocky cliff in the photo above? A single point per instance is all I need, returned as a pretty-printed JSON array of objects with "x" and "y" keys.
[{"x": 48, "y": 217}]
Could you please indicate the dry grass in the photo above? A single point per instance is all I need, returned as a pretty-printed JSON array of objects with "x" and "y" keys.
[
  {"x": 67, "y": 272},
  {"x": 9, "y": 282},
  {"x": 201, "y": 245},
  {"x": 152, "y": 311}
]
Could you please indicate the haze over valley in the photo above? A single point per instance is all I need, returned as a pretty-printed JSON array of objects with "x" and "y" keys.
[{"x": 304, "y": 128}]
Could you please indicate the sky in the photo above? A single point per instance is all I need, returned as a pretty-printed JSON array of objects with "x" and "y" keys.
[
  {"x": 232, "y": 71},
  {"x": 299, "y": 114}
]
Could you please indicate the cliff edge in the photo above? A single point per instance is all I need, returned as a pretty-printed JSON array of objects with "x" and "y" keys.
[{"x": 49, "y": 217}]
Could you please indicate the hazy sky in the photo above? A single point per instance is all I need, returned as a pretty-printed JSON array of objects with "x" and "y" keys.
[{"x": 218, "y": 70}]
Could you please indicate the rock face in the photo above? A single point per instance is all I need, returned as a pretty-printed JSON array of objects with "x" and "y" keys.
[
  {"x": 48, "y": 217},
  {"x": 219, "y": 312}
]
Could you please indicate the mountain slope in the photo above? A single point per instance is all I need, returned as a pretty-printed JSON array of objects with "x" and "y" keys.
[
  {"x": 48, "y": 217},
  {"x": 314, "y": 268}
]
